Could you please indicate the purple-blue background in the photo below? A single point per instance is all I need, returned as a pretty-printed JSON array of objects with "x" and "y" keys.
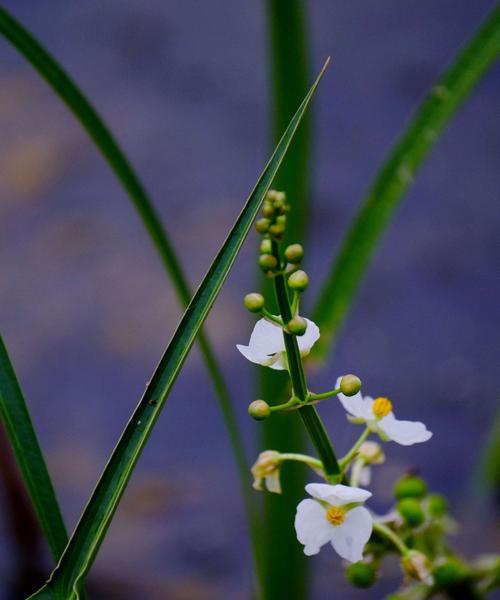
[{"x": 86, "y": 309}]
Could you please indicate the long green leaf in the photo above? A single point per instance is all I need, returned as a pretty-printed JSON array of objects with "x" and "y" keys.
[
  {"x": 286, "y": 569},
  {"x": 24, "y": 442},
  {"x": 75, "y": 100},
  {"x": 82, "y": 549},
  {"x": 396, "y": 175}
]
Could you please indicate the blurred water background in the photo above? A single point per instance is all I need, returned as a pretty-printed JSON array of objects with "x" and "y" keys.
[{"x": 86, "y": 309}]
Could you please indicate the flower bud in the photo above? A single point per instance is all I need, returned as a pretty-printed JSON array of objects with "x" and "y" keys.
[
  {"x": 298, "y": 281},
  {"x": 372, "y": 453},
  {"x": 450, "y": 573},
  {"x": 410, "y": 487},
  {"x": 254, "y": 302},
  {"x": 417, "y": 565},
  {"x": 262, "y": 225},
  {"x": 266, "y": 246},
  {"x": 411, "y": 511},
  {"x": 266, "y": 470},
  {"x": 259, "y": 410},
  {"x": 277, "y": 230},
  {"x": 267, "y": 262},
  {"x": 361, "y": 574},
  {"x": 294, "y": 253},
  {"x": 438, "y": 505},
  {"x": 297, "y": 325},
  {"x": 268, "y": 210},
  {"x": 350, "y": 385}
]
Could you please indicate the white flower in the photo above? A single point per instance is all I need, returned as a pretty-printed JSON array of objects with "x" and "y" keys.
[
  {"x": 336, "y": 517},
  {"x": 266, "y": 470},
  {"x": 378, "y": 415},
  {"x": 267, "y": 346}
]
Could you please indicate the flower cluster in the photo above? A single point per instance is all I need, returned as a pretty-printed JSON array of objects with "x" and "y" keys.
[{"x": 335, "y": 513}]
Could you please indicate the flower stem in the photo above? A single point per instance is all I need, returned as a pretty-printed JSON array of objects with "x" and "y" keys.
[
  {"x": 310, "y": 417},
  {"x": 293, "y": 402},
  {"x": 391, "y": 536},
  {"x": 272, "y": 318},
  {"x": 344, "y": 462},
  {"x": 324, "y": 395},
  {"x": 308, "y": 460}
]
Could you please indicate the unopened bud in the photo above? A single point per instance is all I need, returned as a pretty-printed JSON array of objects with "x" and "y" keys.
[
  {"x": 259, "y": 410},
  {"x": 450, "y": 573},
  {"x": 268, "y": 210},
  {"x": 254, "y": 302},
  {"x": 298, "y": 281},
  {"x": 266, "y": 247},
  {"x": 411, "y": 511},
  {"x": 294, "y": 253},
  {"x": 350, "y": 385},
  {"x": 438, "y": 505},
  {"x": 372, "y": 453},
  {"x": 297, "y": 325},
  {"x": 277, "y": 231},
  {"x": 417, "y": 565},
  {"x": 267, "y": 262},
  {"x": 262, "y": 225},
  {"x": 361, "y": 574},
  {"x": 410, "y": 486}
]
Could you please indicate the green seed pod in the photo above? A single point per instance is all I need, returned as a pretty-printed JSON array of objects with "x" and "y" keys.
[
  {"x": 266, "y": 247},
  {"x": 411, "y": 511},
  {"x": 259, "y": 410},
  {"x": 298, "y": 281},
  {"x": 268, "y": 210},
  {"x": 262, "y": 225},
  {"x": 297, "y": 325},
  {"x": 361, "y": 574},
  {"x": 350, "y": 385},
  {"x": 268, "y": 262},
  {"x": 294, "y": 253},
  {"x": 254, "y": 302},
  {"x": 438, "y": 505},
  {"x": 450, "y": 573},
  {"x": 410, "y": 487}
]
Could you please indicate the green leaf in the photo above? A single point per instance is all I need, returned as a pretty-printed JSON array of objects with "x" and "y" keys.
[
  {"x": 75, "y": 100},
  {"x": 286, "y": 569},
  {"x": 68, "y": 577},
  {"x": 396, "y": 175},
  {"x": 24, "y": 442}
]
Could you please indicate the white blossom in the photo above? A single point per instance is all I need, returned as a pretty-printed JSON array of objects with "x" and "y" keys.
[
  {"x": 378, "y": 416},
  {"x": 267, "y": 346},
  {"x": 336, "y": 516}
]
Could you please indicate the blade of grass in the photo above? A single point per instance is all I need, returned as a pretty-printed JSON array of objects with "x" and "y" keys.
[
  {"x": 24, "y": 443},
  {"x": 75, "y": 100},
  {"x": 68, "y": 577},
  {"x": 396, "y": 175},
  {"x": 286, "y": 571}
]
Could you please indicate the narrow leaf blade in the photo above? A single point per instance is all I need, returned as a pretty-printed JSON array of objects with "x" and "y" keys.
[
  {"x": 82, "y": 549},
  {"x": 396, "y": 175}
]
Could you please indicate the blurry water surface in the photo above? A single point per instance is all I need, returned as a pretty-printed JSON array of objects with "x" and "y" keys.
[{"x": 86, "y": 310}]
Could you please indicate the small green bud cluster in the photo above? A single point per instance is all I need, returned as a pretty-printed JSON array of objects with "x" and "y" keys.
[{"x": 274, "y": 211}]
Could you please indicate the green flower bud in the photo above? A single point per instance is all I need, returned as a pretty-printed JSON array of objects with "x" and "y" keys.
[
  {"x": 262, "y": 225},
  {"x": 268, "y": 262},
  {"x": 268, "y": 210},
  {"x": 350, "y": 385},
  {"x": 361, "y": 574},
  {"x": 254, "y": 302},
  {"x": 298, "y": 281},
  {"x": 294, "y": 253},
  {"x": 411, "y": 511},
  {"x": 259, "y": 410},
  {"x": 266, "y": 247},
  {"x": 281, "y": 220},
  {"x": 450, "y": 573},
  {"x": 297, "y": 325},
  {"x": 277, "y": 231},
  {"x": 438, "y": 505},
  {"x": 410, "y": 487}
]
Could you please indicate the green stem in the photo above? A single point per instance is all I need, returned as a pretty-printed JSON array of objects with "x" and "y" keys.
[
  {"x": 324, "y": 395},
  {"x": 391, "y": 536},
  {"x": 310, "y": 417},
  {"x": 356, "y": 472},
  {"x": 293, "y": 402},
  {"x": 308, "y": 460},
  {"x": 344, "y": 462},
  {"x": 270, "y": 317}
]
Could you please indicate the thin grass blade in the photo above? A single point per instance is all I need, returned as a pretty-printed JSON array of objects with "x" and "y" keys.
[
  {"x": 68, "y": 578},
  {"x": 396, "y": 176},
  {"x": 24, "y": 442}
]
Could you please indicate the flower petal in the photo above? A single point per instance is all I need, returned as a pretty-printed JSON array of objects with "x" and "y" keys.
[
  {"x": 265, "y": 343},
  {"x": 310, "y": 337},
  {"x": 311, "y": 525},
  {"x": 405, "y": 433},
  {"x": 337, "y": 495},
  {"x": 356, "y": 405},
  {"x": 349, "y": 539},
  {"x": 273, "y": 483}
]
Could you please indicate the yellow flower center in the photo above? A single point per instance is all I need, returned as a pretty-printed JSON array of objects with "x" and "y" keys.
[
  {"x": 335, "y": 515},
  {"x": 381, "y": 407}
]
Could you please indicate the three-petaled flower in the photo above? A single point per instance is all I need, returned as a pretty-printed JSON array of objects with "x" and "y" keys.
[
  {"x": 334, "y": 516},
  {"x": 378, "y": 416},
  {"x": 267, "y": 346}
]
